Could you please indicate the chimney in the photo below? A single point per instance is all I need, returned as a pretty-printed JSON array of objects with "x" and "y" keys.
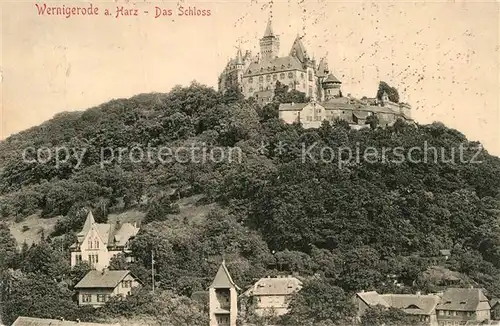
[
  {"x": 362, "y": 291},
  {"x": 418, "y": 293},
  {"x": 293, "y": 103},
  {"x": 78, "y": 321}
]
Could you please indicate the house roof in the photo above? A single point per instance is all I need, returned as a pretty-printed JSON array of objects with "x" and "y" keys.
[
  {"x": 372, "y": 298},
  {"x": 223, "y": 279},
  {"x": 118, "y": 234},
  {"x": 102, "y": 279},
  {"x": 361, "y": 114},
  {"x": 29, "y": 321},
  {"x": 412, "y": 303},
  {"x": 494, "y": 302},
  {"x": 463, "y": 300},
  {"x": 292, "y": 106},
  {"x": 275, "y": 286}
]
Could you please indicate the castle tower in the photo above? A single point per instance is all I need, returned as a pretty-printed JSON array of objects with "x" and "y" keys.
[
  {"x": 223, "y": 299},
  {"x": 269, "y": 44},
  {"x": 331, "y": 86}
]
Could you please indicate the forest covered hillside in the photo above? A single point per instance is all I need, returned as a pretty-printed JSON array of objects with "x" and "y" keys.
[{"x": 274, "y": 201}]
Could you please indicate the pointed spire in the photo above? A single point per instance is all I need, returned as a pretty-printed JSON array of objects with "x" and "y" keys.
[
  {"x": 239, "y": 57},
  {"x": 223, "y": 278},
  {"x": 269, "y": 29},
  {"x": 88, "y": 223}
]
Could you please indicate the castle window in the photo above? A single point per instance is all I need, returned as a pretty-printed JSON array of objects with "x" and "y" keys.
[
  {"x": 302, "y": 75},
  {"x": 261, "y": 78},
  {"x": 96, "y": 243},
  {"x": 249, "y": 71},
  {"x": 267, "y": 88},
  {"x": 282, "y": 75},
  {"x": 290, "y": 75},
  {"x": 90, "y": 243},
  {"x": 250, "y": 80},
  {"x": 261, "y": 69},
  {"x": 310, "y": 76},
  {"x": 275, "y": 77},
  {"x": 282, "y": 66},
  {"x": 268, "y": 77},
  {"x": 251, "y": 89}
]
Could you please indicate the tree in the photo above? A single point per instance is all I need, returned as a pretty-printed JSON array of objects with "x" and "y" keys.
[
  {"x": 8, "y": 248},
  {"x": 38, "y": 295},
  {"x": 379, "y": 316},
  {"x": 392, "y": 92},
  {"x": 160, "y": 209},
  {"x": 373, "y": 121},
  {"x": 320, "y": 301}
]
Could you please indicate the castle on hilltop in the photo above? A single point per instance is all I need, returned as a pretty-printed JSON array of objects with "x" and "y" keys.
[{"x": 256, "y": 76}]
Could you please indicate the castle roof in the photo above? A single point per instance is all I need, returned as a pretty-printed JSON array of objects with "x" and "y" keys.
[
  {"x": 323, "y": 68},
  {"x": 332, "y": 79},
  {"x": 269, "y": 29},
  {"x": 298, "y": 50},
  {"x": 278, "y": 64}
]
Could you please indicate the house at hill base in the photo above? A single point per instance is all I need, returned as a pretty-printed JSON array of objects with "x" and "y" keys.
[
  {"x": 423, "y": 306},
  {"x": 29, "y": 321},
  {"x": 98, "y": 286},
  {"x": 97, "y": 243},
  {"x": 223, "y": 299},
  {"x": 458, "y": 306},
  {"x": 271, "y": 295},
  {"x": 455, "y": 306}
]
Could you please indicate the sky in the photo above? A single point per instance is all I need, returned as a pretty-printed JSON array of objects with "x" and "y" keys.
[{"x": 442, "y": 56}]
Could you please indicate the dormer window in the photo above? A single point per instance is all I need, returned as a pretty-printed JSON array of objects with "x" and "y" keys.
[
  {"x": 96, "y": 243},
  {"x": 90, "y": 243}
]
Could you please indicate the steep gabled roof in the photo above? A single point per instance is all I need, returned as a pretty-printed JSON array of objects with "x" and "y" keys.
[
  {"x": 323, "y": 68},
  {"x": 298, "y": 49},
  {"x": 102, "y": 279},
  {"x": 372, "y": 298},
  {"x": 223, "y": 279},
  {"x": 463, "y": 300}
]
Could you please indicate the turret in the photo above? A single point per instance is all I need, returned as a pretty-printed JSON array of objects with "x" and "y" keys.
[{"x": 331, "y": 86}]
